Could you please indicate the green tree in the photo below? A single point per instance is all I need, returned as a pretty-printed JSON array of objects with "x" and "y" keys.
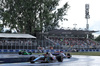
[
  {"x": 97, "y": 38},
  {"x": 1, "y": 28},
  {"x": 28, "y": 15}
]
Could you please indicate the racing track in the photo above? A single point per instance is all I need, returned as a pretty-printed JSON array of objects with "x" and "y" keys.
[{"x": 76, "y": 60}]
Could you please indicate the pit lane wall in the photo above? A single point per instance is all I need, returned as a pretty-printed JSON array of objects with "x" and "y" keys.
[{"x": 48, "y": 50}]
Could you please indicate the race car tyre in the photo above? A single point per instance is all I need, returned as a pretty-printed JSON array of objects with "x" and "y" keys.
[
  {"x": 59, "y": 58},
  {"x": 30, "y": 53},
  {"x": 32, "y": 62},
  {"x": 20, "y": 53},
  {"x": 31, "y": 59},
  {"x": 68, "y": 55},
  {"x": 65, "y": 53}
]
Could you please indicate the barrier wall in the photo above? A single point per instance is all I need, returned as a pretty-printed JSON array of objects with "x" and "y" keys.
[{"x": 35, "y": 51}]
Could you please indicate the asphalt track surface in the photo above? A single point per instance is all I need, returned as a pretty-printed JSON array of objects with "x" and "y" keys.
[{"x": 76, "y": 60}]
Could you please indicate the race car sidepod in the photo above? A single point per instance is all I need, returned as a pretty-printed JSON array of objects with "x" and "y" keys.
[{"x": 24, "y": 53}]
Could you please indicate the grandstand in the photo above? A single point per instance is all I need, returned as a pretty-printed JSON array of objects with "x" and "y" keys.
[
  {"x": 71, "y": 40},
  {"x": 58, "y": 39},
  {"x": 16, "y": 42}
]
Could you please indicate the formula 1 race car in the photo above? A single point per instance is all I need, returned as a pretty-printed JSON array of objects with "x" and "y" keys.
[
  {"x": 23, "y": 52},
  {"x": 68, "y": 55},
  {"x": 46, "y": 59}
]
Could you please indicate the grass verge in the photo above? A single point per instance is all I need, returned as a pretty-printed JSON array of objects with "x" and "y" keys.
[
  {"x": 86, "y": 53},
  {"x": 78, "y": 53}
]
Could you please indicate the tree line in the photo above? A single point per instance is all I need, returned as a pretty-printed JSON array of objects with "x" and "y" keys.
[{"x": 27, "y": 16}]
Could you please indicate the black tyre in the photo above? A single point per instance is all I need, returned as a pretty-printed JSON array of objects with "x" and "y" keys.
[
  {"x": 65, "y": 53},
  {"x": 20, "y": 53},
  {"x": 59, "y": 58},
  {"x": 31, "y": 59},
  {"x": 32, "y": 62},
  {"x": 30, "y": 53},
  {"x": 68, "y": 55}
]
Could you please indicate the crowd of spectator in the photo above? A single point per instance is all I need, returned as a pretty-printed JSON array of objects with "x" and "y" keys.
[
  {"x": 71, "y": 44},
  {"x": 75, "y": 43},
  {"x": 16, "y": 43}
]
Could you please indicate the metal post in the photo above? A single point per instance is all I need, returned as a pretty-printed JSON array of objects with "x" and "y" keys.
[
  {"x": 87, "y": 16},
  {"x": 87, "y": 27}
]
